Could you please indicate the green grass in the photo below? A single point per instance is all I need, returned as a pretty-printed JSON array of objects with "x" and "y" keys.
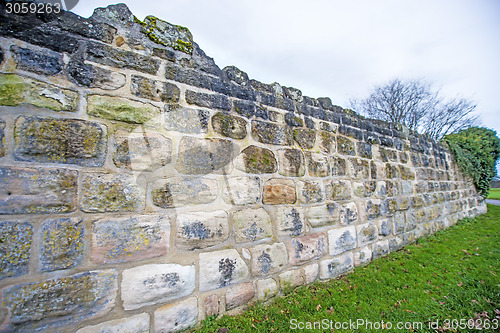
[
  {"x": 453, "y": 274},
  {"x": 494, "y": 193}
]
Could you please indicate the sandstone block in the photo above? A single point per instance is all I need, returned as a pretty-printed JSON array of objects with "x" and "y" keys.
[
  {"x": 310, "y": 191},
  {"x": 290, "y": 280},
  {"x": 363, "y": 256},
  {"x": 252, "y": 224},
  {"x": 373, "y": 209},
  {"x": 46, "y": 62},
  {"x": 181, "y": 191},
  {"x": 346, "y": 146},
  {"x": 177, "y": 316},
  {"x": 274, "y": 134},
  {"x": 129, "y": 238},
  {"x": 36, "y": 190},
  {"x": 341, "y": 240},
  {"x": 290, "y": 221},
  {"x": 135, "y": 324},
  {"x": 331, "y": 268},
  {"x": 95, "y": 77},
  {"x": 266, "y": 289},
  {"x": 15, "y": 246},
  {"x": 338, "y": 190},
  {"x": 121, "y": 109},
  {"x": 380, "y": 249},
  {"x": 62, "y": 243},
  {"x": 255, "y": 159},
  {"x": 154, "y": 90},
  {"x": 241, "y": 190},
  {"x": 221, "y": 268},
  {"x": 155, "y": 284},
  {"x": 279, "y": 191},
  {"x": 268, "y": 259},
  {"x": 325, "y": 215},
  {"x": 311, "y": 273},
  {"x": 358, "y": 169},
  {"x": 239, "y": 295},
  {"x": 230, "y": 126},
  {"x": 186, "y": 120},
  {"x": 306, "y": 248},
  {"x": 67, "y": 141},
  {"x": 366, "y": 233},
  {"x": 211, "y": 101},
  {"x": 327, "y": 143},
  {"x": 318, "y": 165},
  {"x": 348, "y": 213},
  {"x": 201, "y": 230},
  {"x": 364, "y": 189},
  {"x": 304, "y": 137},
  {"x": 338, "y": 166},
  {"x": 212, "y": 305},
  {"x": 203, "y": 156},
  {"x": 291, "y": 162}
]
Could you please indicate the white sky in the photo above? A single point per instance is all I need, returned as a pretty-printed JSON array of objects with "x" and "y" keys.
[{"x": 341, "y": 49}]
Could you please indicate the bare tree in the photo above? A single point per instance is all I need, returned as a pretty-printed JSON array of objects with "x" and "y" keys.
[{"x": 418, "y": 106}]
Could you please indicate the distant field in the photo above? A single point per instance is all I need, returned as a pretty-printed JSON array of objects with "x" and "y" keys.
[{"x": 494, "y": 193}]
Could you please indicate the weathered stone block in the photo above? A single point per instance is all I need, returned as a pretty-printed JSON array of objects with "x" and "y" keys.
[
  {"x": 212, "y": 305},
  {"x": 47, "y": 62},
  {"x": 268, "y": 259},
  {"x": 62, "y": 244},
  {"x": 95, "y": 77},
  {"x": 338, "y": 166},
  {"x": 338, "y": 190},
  {"x": 122, "y": 109},
  {"x": 129, "y": 238},
  {"x": 211, "y": 101},
  {"x": 202, "y": 156},
  {"x": 318, "y": 165},
  {"x": 363, "y": 256},
  {"x": 341, "y": 240},
  {"x": 331, "y": 268},
  {"x": 186, "y": 120},
  {"x": 364, "y": 150},
  {"x": 292, "y": 120},
  {"x": 254, "y": 159},
  {"x": 367, "y": 233},
  {"x": 239, "y": 295},
  {"x": 181, "y": 191},
  {"x": 373, "y": 209},
  {"x": 291, "y": 162},
  {"x": 15, "y": 246},
  {"x": 252, "y": 224},
  {"x": 358, "y": 169},
  {"x": 16, "y": 90},
  {"x": 141, "y": 151},
  {"x": 230, "y": 126},
  {"x": 346, "y": 146},
  {"x": 306, "y": 248},
  {"x": 266, "y": 289},
  {"x": 348, "y": 213},
  {"x": 201, "y": 230},
  {"x": 154, "y": 90},
  {"x": 177, "y": 316},
  {"x": 385, "y": 227},
  {"x": 2, "y": 138},
  {"x": 274, "y": 134},
  {"x": 279, "y": 191},
  {"x": 325, "y": 215},
  {"x": 220, "y": 269},
  {"x": 310, "y": 191},
  {"x": 327, "y": 143},
  {"x": 102, "y": 192},
  {"x": 61, "y": 301},
  {"x": 406, "y": 173},
  {"x": 241, "y": 190},
  {"x": 155, "y": 284},
  {"x": 245, "y": 108},
  {"x": 364, "y": 189},
  {"x": 311, "y": 273},
  {"x": 396, "y": 243},
  {"x": 380, "y": 249},
  {"x": 290, "y": 221},
  {"x": 304, "y": 137},
  {"x": 290, "y": 280},
  {"x": 163, "y": 33},
  {"x": 135, "y": 324},
  {"x": 36, "y": 190},
  {"x": 67, "y": 141}
]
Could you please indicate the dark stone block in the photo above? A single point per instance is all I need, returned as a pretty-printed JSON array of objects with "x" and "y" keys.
[
  {"x": 345, "y": 146},
  {"x": 386, "y": 141},
  {"x": 332, "y": 117},
  {"x": 85, "y": 27},
  {"x": 351, "y": 132},
  {"x": 15, "y": 248},
  {"x": 261, "y": 112},
  {"x": 244, "y": 108},
  {"x": 242, "y": 93},
  {"x": 293, "y": 121},
  {"x": 95, "y": 77},
  {"x": 48, "y": 62},
  {"x": 364, "y": 149},
  {"x": 236, "y": 75},
  {"x": 309, "y": 123},
  {"x": 164, "y": 54},
  {"x": 211, "y": 101},
  {"x": 305, "y": 138},
  {"x": 325, "y": 103},
  {"x": 271, "y": 133}
]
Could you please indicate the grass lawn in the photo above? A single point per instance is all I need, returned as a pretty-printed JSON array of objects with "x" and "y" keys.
[
  {"x": 452, "y": 275},
  {"x": 494, "y": 193}
]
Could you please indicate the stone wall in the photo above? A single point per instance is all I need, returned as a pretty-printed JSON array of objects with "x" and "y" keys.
[{"x": 143, "y": 188}]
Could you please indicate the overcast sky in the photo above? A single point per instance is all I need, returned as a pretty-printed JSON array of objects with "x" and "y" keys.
[{"x": 341, "y": 49}]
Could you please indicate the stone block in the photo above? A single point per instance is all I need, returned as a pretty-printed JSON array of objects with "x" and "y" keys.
[
  {"x": 229, "y": 126},
  {"x": 291, "y": 162},
  {"x": 238, "y": 295},
  {"x": 380, "y": 249},
  {"x": 327, "y": 143},
  {"x": 37, "y": 190},
  {"x": 221, "y": 269},
  {"x": 60, "y": 301},
  {"x": 385, "y": 227},
  {"x": 338, "y": 165},
  {"x": 244, "y": 108},
  {"x": 266, "y": 289},
  {"x": 182, "y": 191},
  {"x": 15, "y": 246},
  {"x": 129, "y": 238},
  {"x": 95, "y": 77},
  {"x": 201, "y": 230},
  {"x": 292, "y": 120},
  {"x": 373, "y": 209},
  {"x": 252, "y": 224},
  {"x": 268, "y": 259},
  {"x": 304, "y": 137},
  {"x": 255, "y": 159},
  {"x": 331, "y": 268},
  {"x": 346, "y": 146},
  {"x": 66, "y": 141},
  {"x": 203, "y": 156},
  {"x": 174, "y": 36},
  {"x": 290, "y": 221},
  {"x": 176, "y": 317},
  {"x": 396, "y": 243},
  {"x": 141, "y": 151},
  {"x": 186, "y": 120},
  {"x": 155, "y": 284},
  {"x": 211, "y": 101},
  {"x": 2, "y": 138},
  {"x": 318, "y": 165},
  {"x": 154, "y": 90},
  {"x": 306, "y": 248},
  {"x": 348, "y": 213},
  {"x": 341, "y": 240},
  {"x": 45, "y": 62},
  {"x": 338, "y": 190},
  {"x": 270, "y": 133},
  {"x": 363, "y": 256},
  {"x": 364, "y": 150},
  {"x": 364, "y": 189},
  {"x": 212, "y": 305},
  {"x": 135, "y": 324},
  {"x": 122, "y": 109},
  {"x": 310, "y": 191},
  {"x": 291, "y": 279},
  {"x": 311, "y": 273},
  {"x": 241, "y": 190},
  {"x": 325, "y": 215},
  {"x": 279, "y": 191},
  {"x": 103, "y": 192},
  {"x": 366, "y": 233},
  {"x": 358, "y": 169},
  {"x": 17, "y": 90},
  {"x": 62, "y": 244}
]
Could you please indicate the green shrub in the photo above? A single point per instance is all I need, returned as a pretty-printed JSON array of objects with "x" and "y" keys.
[{"x": 476, "y": 151}]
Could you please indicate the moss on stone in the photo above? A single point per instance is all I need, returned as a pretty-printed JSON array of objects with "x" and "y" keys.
[
  {"x": 121, "y": 109},
  {"x": 12, "y": 90}
]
